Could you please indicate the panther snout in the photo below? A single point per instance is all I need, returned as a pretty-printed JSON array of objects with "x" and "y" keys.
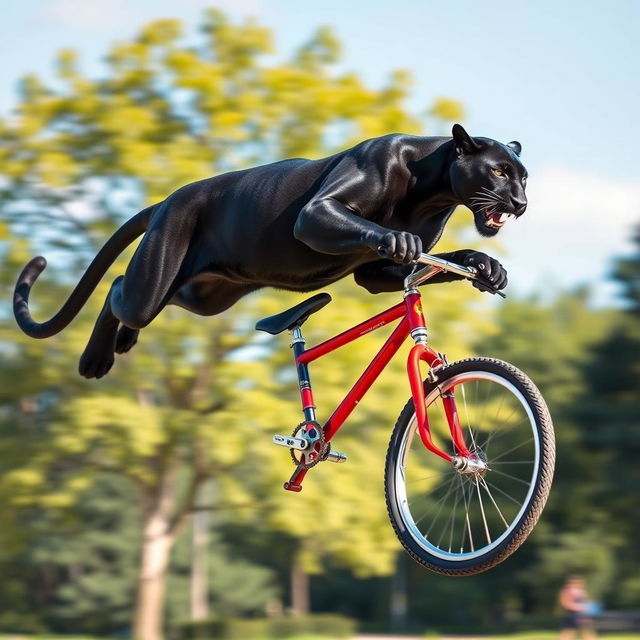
[{"x": 519, "y": 205}]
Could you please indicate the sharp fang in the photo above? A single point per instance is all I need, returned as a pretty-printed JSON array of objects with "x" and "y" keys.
[{"x": 504, "y": 217}]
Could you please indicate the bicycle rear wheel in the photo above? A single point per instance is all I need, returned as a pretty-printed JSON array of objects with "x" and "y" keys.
[{"x": 465, "y": 521}]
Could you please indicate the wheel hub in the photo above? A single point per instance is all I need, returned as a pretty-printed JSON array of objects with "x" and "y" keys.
[{"x": 474, "y": 466}]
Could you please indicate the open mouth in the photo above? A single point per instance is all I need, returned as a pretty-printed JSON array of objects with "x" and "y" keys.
[{"x": 496, "y": 219}]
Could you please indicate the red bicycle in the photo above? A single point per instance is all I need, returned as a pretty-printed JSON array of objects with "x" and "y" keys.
[{"x": 471, "y": 458}]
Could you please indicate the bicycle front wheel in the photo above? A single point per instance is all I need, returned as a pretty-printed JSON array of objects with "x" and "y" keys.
[{"x": 462, "y": 521}]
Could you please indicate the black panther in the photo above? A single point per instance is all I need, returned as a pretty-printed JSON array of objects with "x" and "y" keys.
[{"x": 298, "y": 225}]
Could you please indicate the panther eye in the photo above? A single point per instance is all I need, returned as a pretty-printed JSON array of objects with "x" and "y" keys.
[{"x": 499, "y": 172}]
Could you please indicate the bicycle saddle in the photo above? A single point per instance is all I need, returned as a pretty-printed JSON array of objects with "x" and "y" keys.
[{"x": 295, "y": 316}]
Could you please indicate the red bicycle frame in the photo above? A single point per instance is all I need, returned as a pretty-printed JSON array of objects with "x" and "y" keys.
[{"x": 412, "y": 323}]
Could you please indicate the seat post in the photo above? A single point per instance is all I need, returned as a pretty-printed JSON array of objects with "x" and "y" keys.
[
  {"x": 306, "y": 394},
  {"x": 296, "y": 336}
]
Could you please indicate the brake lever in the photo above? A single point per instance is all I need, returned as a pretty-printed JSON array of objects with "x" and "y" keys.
[
  {"x": 498, "y": 293},
  {"x": 475, "y": 277},
  {"x": 489, "y": 287}
]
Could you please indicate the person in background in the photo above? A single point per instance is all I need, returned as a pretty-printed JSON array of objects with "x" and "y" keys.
[{"x": 574, "y": 603}]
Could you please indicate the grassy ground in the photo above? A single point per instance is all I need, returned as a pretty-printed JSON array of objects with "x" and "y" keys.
[
  {"x": 530, "y": 635},
  {"x": 552, "y": 635}
]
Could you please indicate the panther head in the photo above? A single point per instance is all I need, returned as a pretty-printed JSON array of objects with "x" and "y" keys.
[{"x": 489, "y": 178}]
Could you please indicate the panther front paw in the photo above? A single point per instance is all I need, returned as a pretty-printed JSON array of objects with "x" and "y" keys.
[
  {"x": 400, "y": 246},
  {"x": 489, "y": 270}
]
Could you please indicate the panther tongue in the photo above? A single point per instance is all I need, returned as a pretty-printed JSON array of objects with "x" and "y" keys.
[{"x": 499, "y": 218}]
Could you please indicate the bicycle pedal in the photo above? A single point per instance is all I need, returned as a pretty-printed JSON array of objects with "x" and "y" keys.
[
  {"x": 336, "y": 456},
  {"x": 290, "y": 442}
]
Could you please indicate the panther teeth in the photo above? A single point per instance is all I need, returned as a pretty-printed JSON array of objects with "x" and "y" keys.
[{"x": 497, "y": 219}]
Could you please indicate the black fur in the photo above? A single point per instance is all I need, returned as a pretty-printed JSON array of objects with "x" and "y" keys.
[{"x": 298, "y": 225}]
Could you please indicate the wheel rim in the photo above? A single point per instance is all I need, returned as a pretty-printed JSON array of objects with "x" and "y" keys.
[{"x": 459, "y": 517}]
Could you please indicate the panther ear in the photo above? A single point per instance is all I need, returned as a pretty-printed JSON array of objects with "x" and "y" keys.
[
  {"x": 465, "y": 144},
  {"x": 515, "y": 146}
]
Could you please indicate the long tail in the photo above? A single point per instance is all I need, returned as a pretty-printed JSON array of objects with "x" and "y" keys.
[{"x": 123, "y": 237}]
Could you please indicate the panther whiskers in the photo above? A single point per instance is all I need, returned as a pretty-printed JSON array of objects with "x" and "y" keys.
[
  {"x": 486, "y": 199},
  {"x": 491, "y": 206}
]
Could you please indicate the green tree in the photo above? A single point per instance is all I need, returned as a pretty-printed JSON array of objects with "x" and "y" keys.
[
  {"x": 551, "y": 342},
  {"x": 608, "y": 413},
  {"x": 188, "y": 405}
]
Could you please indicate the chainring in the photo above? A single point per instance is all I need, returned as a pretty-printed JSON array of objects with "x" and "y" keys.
[{"x": 317, "y": 450}]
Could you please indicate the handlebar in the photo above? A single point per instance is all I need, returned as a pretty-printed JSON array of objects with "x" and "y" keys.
[
  {"x": 436, "y": 265},
  {"x": 445, "y": 265}
]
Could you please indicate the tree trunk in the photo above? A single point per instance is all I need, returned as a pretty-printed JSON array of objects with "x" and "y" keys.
[
  {"x": 299, "y": 589},
  {"x": 156, "y": 549},
  {"x": 199, "y": 566},
  {"x": 399, "y": 605}
]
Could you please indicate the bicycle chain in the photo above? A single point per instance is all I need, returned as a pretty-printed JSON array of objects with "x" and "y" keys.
[{"x": 317, "y": 451}]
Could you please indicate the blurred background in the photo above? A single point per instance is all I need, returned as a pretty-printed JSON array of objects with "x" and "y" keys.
[{"x": 149, "y": 503}]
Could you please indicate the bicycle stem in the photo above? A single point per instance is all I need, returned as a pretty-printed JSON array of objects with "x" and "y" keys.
[{"x": 434, "y": 266}]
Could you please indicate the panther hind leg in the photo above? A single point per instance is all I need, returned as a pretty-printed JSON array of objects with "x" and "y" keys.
[
  {"x": 97, "y": 358},
  {"x": 126, "y": 339},
  {"x": 151, "y": 278}
]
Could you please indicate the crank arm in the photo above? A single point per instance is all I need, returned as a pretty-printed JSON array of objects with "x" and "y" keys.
[{"x": 290, "y": 442}]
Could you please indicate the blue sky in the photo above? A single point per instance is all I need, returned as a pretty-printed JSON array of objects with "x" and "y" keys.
[{"x": 560, "y": 77}]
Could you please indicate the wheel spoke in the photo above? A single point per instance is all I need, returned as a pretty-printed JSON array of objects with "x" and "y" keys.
[
  {"x": 466, "y": 413},
  {"x": 431, "y": 475},
  {"x": 511, "y": 414},
  {"x": 485, "y": 444},
  {"x": 499, "y": 407},
  {"x": 484, "y": 517},
  {"x": 484, "y": 484},
  {"x": 421, "y": 496},
  {"x": 508, "y": 475},
  {"x": 467, "y": 501},
  {"x": 504, "y": 453},
  {"x": 476, "y": 397},
  {"x": 453, "y": 515},
  {"x": 494, "y": 435},
  {"x": 450, "y": 518},
  {"x": 486, "y": 404},
  {"x": 441, "y": 503},
  {"x": 504, "y": 493}
]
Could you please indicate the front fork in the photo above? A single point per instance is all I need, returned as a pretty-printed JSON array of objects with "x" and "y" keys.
[{"x": 422, "y": 352}]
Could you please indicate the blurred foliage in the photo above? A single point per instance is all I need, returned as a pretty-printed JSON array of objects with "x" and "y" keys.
[
  {"x": 608, "y": 411},
  {"x": 315, "y": 626},
  {"x": 199, "y": 398},
  {"x": 98, "y": 476},
  {"x": 447, "y": 109}
]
